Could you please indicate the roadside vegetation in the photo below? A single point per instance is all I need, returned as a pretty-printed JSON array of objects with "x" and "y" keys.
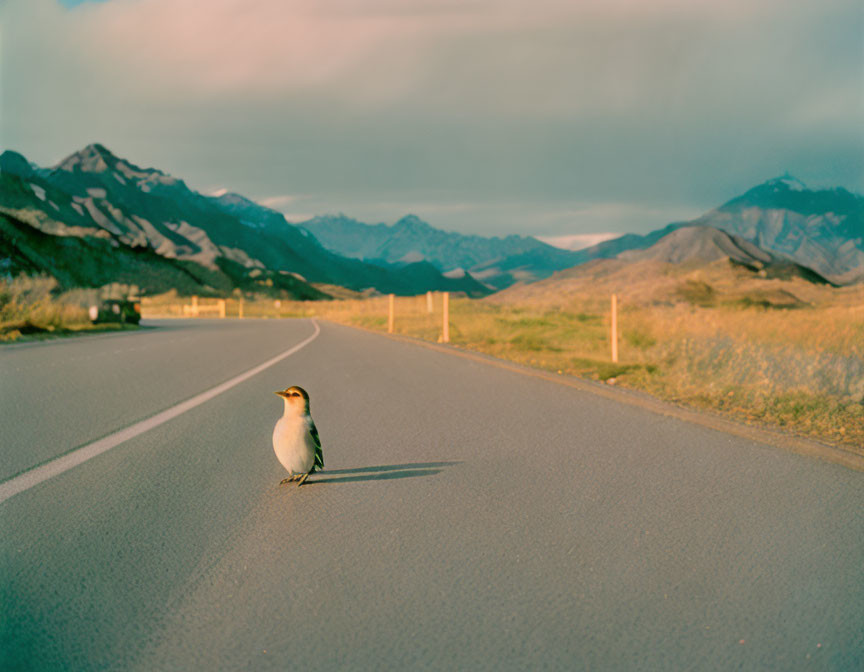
[
  {"x": 33, "y": 308},
  {"x": 801, "y": 369}
]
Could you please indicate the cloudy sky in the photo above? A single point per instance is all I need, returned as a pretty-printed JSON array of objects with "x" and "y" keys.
[{"x": 490, "y": 116}]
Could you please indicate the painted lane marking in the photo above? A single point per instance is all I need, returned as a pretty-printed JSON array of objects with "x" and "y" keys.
[{"x": 80, "y": 455}]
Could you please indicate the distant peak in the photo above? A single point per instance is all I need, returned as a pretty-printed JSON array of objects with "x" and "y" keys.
[
  {"x": 787, "y": 181},
  {"x": 97, "y": 148},
  {"x": 413, "y": 222},
  {"x": 94, "y": 158}
]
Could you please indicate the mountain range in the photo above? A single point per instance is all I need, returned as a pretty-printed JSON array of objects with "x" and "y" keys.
[
  {"x": 699, "y": 244},
  {"x": 822, "y": 229},
  {"x": 694, "y": 263},
  {"x": 95, "y": 217},
  {"x": 498, "y": 262}
]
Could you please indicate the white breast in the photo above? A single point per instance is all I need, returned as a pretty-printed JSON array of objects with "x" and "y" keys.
[{"x": 293, "y": 444}]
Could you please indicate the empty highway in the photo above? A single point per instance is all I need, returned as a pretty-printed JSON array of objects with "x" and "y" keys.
[{"x": 469, "y": 518}]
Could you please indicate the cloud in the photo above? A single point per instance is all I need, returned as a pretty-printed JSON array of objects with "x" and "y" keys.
[
  {"x": 544, "y": 58},
  {"x": 578, "y": 241},
  {"x": 299, "y": 217},
  {"x": 443, "y": 103},
  {"x": 506, "y": 60},
  {"x": 278, "y": 202}
]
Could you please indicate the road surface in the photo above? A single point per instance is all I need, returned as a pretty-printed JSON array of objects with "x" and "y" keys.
[{"x": 469, "y": 518}]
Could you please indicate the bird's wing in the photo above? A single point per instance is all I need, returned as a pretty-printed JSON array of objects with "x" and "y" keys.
[{"x": 319, "y": 454}]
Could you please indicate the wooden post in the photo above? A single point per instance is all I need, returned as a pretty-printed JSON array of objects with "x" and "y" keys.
[
  {"x": 222, "y": 308},
  {"x": 195, "y": 305},
  {"x": 614, "y": 327},
  {"x": 429, "y": 302},
  {"x": 445, "y": 336},
  {"x": 390, "y": 316},
  {"x": 240, "y": 308}
]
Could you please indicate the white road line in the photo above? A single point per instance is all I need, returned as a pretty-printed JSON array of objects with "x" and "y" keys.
[{"x": 66, "y": 462}]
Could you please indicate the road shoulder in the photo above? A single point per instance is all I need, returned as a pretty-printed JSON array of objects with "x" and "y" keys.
[{"x": 765, "y": 435}]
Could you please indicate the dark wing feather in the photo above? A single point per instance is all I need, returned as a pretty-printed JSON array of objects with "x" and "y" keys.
[{"x": 319, "y": 454}]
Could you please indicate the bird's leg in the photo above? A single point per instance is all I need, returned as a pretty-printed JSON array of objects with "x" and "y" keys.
[
  {"x": 303, "y": 480},
  {"x": 288, "y": 480}
]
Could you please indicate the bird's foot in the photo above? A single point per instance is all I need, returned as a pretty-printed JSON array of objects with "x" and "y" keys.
[
  {"x": 303, "y": 480},
  {"x": 289, "y": 479}
]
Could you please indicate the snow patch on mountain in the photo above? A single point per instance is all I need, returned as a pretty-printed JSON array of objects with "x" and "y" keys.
[
  {"x": 789, "y": 182},
  {"x": 39, "y": 191}
]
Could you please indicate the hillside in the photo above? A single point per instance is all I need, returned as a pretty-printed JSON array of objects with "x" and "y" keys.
[
  {"x": 94, "y": 261},
  {"x": 95, "y": 194},
  {"x": 695, "y": 264},
  {"x": 232, "y": 242},
  {"x": 820, "y": 229}
]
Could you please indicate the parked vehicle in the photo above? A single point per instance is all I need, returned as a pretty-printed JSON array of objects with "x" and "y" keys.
[{"x": 116, "y": 310}]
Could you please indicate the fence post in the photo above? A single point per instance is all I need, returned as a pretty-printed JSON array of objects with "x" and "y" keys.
[
  {"x": 390, "y": 315},
  {"x": 195, "y": 305},
  {"x": 445, "y": 336},
  {"x": 614, "y": 327},
  {"x": 222, "y": 308},
  {"x": 240, "y": 309},
  {"x": 429, "y": 302}
]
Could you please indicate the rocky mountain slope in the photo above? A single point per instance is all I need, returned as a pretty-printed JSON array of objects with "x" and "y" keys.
[
  {"x": 496, "y": 261},
  {"x": 696, "y": 264},
  {"x": 105, "y": 212},
  {"x": 700, "y": 243},
  {"x": 231, "y": 241},
  {"x": 820, "y": 229}
]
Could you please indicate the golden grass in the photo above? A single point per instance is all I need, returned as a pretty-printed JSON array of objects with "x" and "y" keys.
[
  {"x": 34, "y": 308},
  {"x": 800, "y": 369},
  {"x": 30, "y": 306}
]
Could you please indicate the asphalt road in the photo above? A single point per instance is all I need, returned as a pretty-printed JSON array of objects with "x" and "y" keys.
[{"x": 469, "y": 518}]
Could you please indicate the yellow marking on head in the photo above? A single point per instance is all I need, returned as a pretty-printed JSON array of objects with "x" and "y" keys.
[{"x": 295, "y": 395}]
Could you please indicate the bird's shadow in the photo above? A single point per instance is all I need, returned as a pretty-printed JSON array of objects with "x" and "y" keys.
[{"x": 384, "y": 472}]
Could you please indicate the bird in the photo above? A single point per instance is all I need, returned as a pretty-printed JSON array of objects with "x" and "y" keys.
[{"x": 295, "y": 437}]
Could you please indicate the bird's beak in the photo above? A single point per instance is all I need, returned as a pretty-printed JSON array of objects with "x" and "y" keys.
[{"x": 279, "y": 393}]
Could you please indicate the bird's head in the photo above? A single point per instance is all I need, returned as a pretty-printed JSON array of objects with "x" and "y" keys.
[{"x": 295, "y": 397}]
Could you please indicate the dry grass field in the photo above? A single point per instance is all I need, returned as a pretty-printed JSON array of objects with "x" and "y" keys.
[
  {"x": 33, "y": 308},
  {"x": 30, "y": 305},
  {"x": 801, "y": 369}
]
